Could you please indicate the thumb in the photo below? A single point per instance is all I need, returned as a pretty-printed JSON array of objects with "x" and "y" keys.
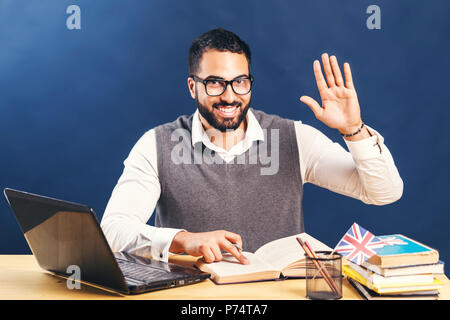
[{"x": 313, "y": 105}]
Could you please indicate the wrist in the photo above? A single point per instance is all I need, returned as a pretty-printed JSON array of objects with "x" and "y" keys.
[
  {"x": 360, "y": 134},
  {"x": 177, "y": 245},
  {"x": 352, "y": 130}
]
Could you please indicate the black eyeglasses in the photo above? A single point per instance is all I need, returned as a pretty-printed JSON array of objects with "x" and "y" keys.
[{"x": 216, "y": 86}]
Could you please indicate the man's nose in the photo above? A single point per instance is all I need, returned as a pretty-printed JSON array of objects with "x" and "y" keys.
[{"x": 229, "y": 95}]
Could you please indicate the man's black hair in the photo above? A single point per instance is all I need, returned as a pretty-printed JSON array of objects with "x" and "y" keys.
[{"x": 216, "y": 39}]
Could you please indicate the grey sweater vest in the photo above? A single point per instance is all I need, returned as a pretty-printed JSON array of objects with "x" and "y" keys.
[{"x": 200, "y": 193}]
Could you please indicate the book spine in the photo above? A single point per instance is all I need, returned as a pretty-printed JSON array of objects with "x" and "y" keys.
[
  {"x": 407, "y": 260},
  {"x": 435, "y": 268},
  {"x": 356, "y": 276},
  {"x": 402, "y": 260},
  {"x": 377, "y": 280}
]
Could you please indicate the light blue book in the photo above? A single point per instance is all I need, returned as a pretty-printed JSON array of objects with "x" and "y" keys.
[{"x": 398, "y": 250}]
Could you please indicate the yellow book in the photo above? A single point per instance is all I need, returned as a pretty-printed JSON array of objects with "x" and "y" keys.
[
  {"x": 391, "y": 288},
  {"x": 379, "y": 281}
]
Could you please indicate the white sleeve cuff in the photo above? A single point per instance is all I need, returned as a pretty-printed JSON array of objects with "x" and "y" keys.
[
  {"x": 366, "y": 148},
  {"x": 161, "y": 241}
]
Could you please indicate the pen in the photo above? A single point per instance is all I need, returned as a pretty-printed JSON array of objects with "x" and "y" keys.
[{"x": 237, "y": 246}]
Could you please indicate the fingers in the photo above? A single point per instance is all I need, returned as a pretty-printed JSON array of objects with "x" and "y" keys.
[
  {"x": 315, "y": 107},
  {"x": 320, "y": 80},
  {"x": 328, "y": 70},
  {"x": 210, "y": 251},
  {"x": 210, "y": 244},
  {"x": 208, "y": 254},
  {"x": 336, "y": 71},
  {"x": 332, "y": 72},
  {"x": 235, "y": 252},
  {"x": 216, "y": 251},
  {"x": 233, "y": 238},
  {"x": 229, "y": 247},
  {"x": 348, "y": 76}
]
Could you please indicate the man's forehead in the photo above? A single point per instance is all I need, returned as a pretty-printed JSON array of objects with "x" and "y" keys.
[{"x": 225, "y": 64}]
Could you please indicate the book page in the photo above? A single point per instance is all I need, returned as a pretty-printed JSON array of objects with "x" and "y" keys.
[
  {"x": 230, "y": 266},
  {"x": 282, "y": 252}
]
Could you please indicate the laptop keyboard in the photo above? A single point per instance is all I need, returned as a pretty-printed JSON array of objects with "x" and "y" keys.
[{"x": 142, "y": 273}]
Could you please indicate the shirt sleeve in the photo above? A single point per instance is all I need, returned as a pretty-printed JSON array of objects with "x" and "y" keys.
[
  {"x": 132, "y": 203},
  {"x": 366, "y": 172}
]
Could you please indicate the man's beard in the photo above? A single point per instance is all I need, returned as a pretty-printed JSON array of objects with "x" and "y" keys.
[{"x": 227, "y": 123}]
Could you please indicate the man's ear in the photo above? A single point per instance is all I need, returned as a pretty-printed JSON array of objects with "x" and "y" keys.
[{"x": 191, "y": 87}]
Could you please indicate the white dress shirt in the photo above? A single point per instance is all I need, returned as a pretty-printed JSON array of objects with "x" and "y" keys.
[{"x": 367, "y": 173}]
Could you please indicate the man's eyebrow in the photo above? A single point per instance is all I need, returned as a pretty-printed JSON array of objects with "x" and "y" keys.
[
  {"x": 214, "y": 77},
  {"x": 220, "y": 78}
]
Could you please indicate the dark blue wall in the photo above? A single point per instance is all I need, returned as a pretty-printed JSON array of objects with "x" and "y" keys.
[{"x": 74, "y": 102}]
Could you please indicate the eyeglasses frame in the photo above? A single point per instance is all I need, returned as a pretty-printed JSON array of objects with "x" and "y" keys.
[{"x": 227, "y": 82}]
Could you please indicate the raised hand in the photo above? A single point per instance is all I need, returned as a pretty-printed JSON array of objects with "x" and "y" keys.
[{"x": 340, "y": 107}]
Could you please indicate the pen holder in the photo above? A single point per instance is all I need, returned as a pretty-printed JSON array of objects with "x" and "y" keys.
[{"x": 324, "y": 276}]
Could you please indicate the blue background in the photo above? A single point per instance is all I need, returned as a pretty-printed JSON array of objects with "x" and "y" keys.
[{"x": 74, "y": 102}]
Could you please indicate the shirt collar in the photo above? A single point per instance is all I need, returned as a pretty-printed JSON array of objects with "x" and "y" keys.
[{"x": 254, "y": 131}]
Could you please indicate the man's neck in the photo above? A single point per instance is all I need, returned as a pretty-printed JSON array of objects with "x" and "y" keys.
[{"x": 225, "y": 140}]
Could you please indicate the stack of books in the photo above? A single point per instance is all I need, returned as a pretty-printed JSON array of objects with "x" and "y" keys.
[{"x": 402, "y": 269}]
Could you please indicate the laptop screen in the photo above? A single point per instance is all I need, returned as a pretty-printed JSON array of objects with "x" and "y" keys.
[{"x": 62, "y": 234}]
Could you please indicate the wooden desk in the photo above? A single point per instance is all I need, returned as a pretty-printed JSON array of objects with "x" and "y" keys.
[{"x": 22, "y": 278}]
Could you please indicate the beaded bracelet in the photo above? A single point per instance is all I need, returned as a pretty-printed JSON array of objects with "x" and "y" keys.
[{"x": 354, "y": 133}]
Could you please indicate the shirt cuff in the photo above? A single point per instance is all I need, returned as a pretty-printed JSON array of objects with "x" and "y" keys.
[
  {"x": 161, "y": 242},
  {"x": 367, "y": 148}
]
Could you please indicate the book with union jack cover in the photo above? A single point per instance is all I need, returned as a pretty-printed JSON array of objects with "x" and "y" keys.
[
  {"x": 399, "y": 250},
  {"x": 362, "y": 247}
]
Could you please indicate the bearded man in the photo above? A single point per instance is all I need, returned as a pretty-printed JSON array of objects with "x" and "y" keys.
[{"x": 207, "y": 173}]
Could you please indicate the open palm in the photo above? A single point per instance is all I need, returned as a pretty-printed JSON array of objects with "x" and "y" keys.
[{"x": 340, "y": 107}]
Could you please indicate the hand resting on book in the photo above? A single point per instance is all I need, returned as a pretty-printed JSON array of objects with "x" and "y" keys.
[{"x": 208, "y": 245}]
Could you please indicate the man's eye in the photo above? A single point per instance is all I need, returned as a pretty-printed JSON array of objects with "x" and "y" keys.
[{"x": 215, "y": 82}]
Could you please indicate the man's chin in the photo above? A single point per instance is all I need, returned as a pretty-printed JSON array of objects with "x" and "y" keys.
[{"x": 228, "y": 123}]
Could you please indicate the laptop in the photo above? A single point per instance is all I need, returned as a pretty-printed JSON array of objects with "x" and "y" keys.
[{"x": 64, "y": 234}]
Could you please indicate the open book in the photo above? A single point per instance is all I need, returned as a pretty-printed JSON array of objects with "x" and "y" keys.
[{"x": 279, "y": 258}]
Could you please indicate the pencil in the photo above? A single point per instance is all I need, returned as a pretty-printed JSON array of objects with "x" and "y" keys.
[
  {"x": 317, "y": 264},
  {"x": 321, "y": 267}
]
